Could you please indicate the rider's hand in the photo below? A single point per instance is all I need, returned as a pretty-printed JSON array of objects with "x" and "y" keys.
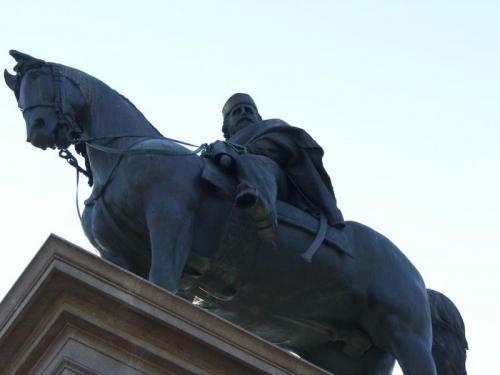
[{"x": 225, "y": 161}]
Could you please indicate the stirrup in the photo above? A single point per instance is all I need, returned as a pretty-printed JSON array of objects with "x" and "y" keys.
[{"x": 246, "y": 196}]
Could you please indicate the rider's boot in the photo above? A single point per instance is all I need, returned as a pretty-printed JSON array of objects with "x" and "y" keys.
[{"x": 258, "y": 210}]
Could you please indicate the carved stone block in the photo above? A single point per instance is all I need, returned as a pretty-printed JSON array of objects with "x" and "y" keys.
[{"x": 72, "y": 312}]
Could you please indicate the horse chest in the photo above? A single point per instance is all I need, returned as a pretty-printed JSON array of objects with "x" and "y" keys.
[{"x": 109, "y": 230}]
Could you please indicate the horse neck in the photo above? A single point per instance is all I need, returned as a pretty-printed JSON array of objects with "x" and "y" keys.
[{"x": 109, "y": 114}]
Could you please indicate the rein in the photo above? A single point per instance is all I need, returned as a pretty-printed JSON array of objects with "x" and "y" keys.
[
  {"x": 79, "y": 143},
  {"x": 57, "y": 104},
  {"x": 146, "y": 150},
  {"x": 68, "y": 156}
]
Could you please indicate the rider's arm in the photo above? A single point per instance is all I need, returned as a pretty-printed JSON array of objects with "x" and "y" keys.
[{"x": 272, "y": 150}]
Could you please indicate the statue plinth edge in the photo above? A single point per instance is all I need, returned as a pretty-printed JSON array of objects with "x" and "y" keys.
[{"x": 71, "y": 310}]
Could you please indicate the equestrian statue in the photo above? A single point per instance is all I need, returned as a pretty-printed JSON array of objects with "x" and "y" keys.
[{"x": 249, "y": 229}]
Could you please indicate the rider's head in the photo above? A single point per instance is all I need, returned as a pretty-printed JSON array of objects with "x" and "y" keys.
[{"x": 239, "y": 111}]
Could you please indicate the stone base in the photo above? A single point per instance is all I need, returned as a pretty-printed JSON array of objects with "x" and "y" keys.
[{"x": 71, "y": 312}]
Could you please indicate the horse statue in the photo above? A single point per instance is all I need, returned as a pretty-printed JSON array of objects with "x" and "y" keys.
[{"x": 354, "y": 305}]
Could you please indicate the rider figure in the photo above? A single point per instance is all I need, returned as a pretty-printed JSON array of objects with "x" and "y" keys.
[{"x": 248, "y": 138}]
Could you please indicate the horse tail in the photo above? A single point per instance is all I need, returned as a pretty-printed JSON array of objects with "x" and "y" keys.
[{"x": 449, "y": 344}]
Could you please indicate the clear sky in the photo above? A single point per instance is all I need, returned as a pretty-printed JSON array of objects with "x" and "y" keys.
[{"x": 403, "y": 96}]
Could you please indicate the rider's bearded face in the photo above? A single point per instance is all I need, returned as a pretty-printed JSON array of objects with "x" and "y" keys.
[{"x": 239, "y": 117}]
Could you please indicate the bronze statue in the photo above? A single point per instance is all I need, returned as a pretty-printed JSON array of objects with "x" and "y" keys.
[
  {"x": 296, "y": 156},
  {"x": 353, "y": 304}
]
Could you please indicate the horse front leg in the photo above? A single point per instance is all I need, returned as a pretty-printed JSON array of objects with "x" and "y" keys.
[{"x": 170, "y": 226}]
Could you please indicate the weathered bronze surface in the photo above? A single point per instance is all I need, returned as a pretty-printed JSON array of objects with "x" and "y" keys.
[
  {"x": 352, "y": 303},
  {"x": 271, "y": 160}
]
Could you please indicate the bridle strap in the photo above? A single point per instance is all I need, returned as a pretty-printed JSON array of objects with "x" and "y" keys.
[
  {"x": 112, "y": 137},
  {"x": 57, "y": 104},
  {"x": 146, "y": 150},
  {"x": 68, "y": 156},
  {"x": 130, "y": 150},
  {"x": 65, "y": 154},
  {"x": 48, "y": 105},
  {"x": 56, "y": 81}
]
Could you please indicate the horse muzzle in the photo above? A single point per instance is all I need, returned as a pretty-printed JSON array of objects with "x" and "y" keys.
[
  {"x": 41, "y": 140},
  {"x": 45, "y": 136}
]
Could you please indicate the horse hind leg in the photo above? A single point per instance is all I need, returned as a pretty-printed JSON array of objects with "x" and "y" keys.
[
  {"x": 331, "y": 357},
  {"x": 412, "y": 348}
]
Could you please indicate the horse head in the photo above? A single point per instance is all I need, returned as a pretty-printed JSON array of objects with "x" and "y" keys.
[{"x": 50, "y": 101}]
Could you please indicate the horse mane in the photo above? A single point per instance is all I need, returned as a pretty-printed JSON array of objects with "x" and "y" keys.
[
  {"x": 24, "y": 65},
  {"x": 127, "y": 100},
  {"x": 79, "y": 76}
]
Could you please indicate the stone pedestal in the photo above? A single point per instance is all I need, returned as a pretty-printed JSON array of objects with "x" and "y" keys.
[{"x": 71, "y": 312}]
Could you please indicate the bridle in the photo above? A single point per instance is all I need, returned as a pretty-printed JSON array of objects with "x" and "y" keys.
[
  {"x": 65, "y": 117},
  {"x": 61, "y": 115},
  {"x": 57, "y": 104},
  {"x": 79, "y": 143}
]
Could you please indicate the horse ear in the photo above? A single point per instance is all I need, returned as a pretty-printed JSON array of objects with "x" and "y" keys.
[
  {"x": 24, "y": 61},
  {"x": 20, "y": 57},
  {"x": 10, "y": 79}
]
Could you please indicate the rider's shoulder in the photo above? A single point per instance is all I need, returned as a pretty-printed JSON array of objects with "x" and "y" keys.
[
  {"x": 278, "y": 125},
  {"x": 272, "y": 122}
]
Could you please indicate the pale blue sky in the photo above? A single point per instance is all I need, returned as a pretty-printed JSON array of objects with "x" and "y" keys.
[{"x": 403, "y": 96}]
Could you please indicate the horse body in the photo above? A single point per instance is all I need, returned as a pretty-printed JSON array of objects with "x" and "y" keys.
[
  {"x": 301, "y": 306},
  {"x": 351, "y": 311}
]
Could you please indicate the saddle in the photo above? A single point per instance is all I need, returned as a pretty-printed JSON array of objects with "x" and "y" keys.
[
  {"x": 216, "y": 271},
  {"x": 224, "y": 184}
]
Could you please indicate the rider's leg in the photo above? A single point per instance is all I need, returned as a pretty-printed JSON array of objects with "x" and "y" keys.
[{"x": 257, "y": 192}]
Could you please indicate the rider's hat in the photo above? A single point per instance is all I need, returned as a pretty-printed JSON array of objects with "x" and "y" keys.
[{"x": 235, "y": 100}]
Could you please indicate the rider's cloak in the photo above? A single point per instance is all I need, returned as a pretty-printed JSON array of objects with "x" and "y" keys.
[{"x": 300, "y": 156}]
